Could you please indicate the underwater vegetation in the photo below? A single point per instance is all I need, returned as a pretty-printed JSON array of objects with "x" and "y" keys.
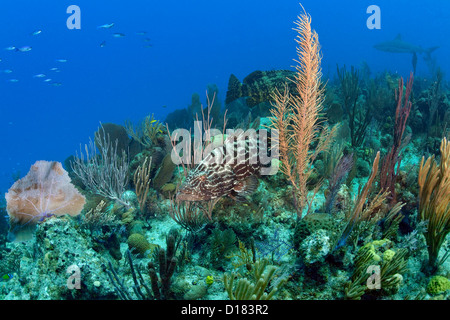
[
  {"x": 354, "y": 203},
  {"x": 44, "y": 192},
  {"x": 434, "y": 183}
]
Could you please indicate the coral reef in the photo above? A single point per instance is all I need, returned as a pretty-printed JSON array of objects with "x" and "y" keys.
[
  {"x": 56, "y": 246},
  {"x": 438, "y": 285},
  {"x": 354, "y": 213}
]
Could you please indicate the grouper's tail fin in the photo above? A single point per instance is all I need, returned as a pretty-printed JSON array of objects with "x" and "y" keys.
[{"x": 235, "y": 89}]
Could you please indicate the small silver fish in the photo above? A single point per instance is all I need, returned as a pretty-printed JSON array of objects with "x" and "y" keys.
[
  {"x": 7, "y": 71},
  {"x": 24, "y": 49},
  {"x": 118, "y": 35},
  {"x": 61, "y": 60},
  {"x": 106, "y": 26},
  {"x": 47, "y": 80},
  {"x": 54, "y": 69},
  {"x": 40, "y": 75},
  {"x": 35, "y": 33},
  {"x": 11, "y": 48},
  {"x": 56, "y": 84},
  {"x": 141, "y": 33},
  {"x": 102, "y": 44},
  {"x": 13, "y": 80}
]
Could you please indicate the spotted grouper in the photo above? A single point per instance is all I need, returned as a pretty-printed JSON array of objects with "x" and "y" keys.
[
  {"x": 232, "y": 169},
  {"x": 259, "y": 86}
]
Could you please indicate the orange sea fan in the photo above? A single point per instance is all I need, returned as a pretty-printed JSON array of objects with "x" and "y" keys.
[{"x": 44, "y": 192}]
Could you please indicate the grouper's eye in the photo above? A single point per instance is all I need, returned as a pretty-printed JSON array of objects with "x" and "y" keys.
[{"x": 202, "y": 178}]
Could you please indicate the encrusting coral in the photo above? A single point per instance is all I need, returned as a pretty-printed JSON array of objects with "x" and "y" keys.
[{"x": 437, "y": 285}]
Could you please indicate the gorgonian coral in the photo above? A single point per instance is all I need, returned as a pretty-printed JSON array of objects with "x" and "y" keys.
[{"x": 44, "y": 192}]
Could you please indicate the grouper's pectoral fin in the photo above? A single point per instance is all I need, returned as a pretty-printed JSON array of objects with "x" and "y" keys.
[{"x": 244, "y": 188}]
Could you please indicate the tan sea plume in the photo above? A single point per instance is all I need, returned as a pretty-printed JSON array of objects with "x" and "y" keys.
[{"x": 297, "y": 118}]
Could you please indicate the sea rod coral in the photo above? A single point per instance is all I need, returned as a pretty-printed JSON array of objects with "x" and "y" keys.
[{"x": 297, "y": 117}]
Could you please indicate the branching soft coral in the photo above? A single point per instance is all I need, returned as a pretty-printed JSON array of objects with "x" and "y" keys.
[
  {"x": 434, "y": 204},
  {"x": 297, "y": 117}
]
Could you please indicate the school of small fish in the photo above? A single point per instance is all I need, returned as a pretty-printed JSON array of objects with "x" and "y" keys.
[
  {"x": 45, "y": 76},
  {"x": 25, "y": 49}
]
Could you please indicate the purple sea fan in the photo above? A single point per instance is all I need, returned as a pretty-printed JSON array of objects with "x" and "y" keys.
[
  {"x": 340, "y": 172},
  {"x": 44, "y": 192}
]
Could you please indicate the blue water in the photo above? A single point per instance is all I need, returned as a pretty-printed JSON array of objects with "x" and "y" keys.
[{"x": 193, "y": 44}]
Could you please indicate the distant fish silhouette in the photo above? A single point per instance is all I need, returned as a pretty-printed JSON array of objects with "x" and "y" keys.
[
  {"x": 37, "y": 32},
  {"x": 118, "y": 35},
  {"x": 102, "y": 44},
  {"x": 141, "y": 33},
  {"x": 106, "y": 26},
  {"x": 61, "y": 60},
  {"x": 40, "y": 75},
  {"x": 11, "y": 48},
  {"x": 399, "y": 46},
  {"x": 24, "y": 49}
]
